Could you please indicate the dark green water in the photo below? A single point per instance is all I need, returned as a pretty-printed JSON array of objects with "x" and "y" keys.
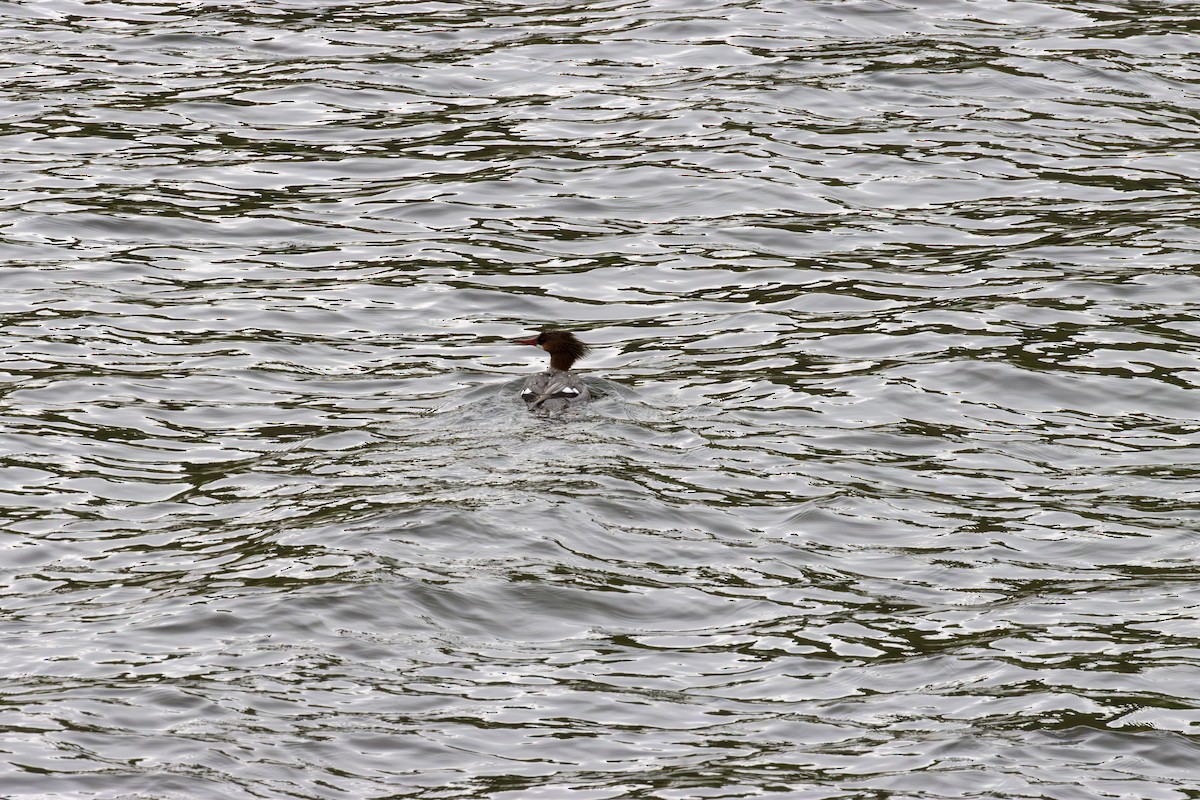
[{"x": 890, "y": 490}]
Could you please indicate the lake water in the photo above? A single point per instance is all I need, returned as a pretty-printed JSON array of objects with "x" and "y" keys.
[{"x": 890, "y": 489}]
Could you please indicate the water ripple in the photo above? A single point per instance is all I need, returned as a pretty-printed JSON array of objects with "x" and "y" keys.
[{"x": 888, "y": 488}]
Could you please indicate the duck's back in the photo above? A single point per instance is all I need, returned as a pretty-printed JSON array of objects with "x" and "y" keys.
[{"x": 553, "y": 390}]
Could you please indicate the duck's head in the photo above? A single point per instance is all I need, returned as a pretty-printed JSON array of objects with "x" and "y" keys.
[{"x": 563, "y": 347}]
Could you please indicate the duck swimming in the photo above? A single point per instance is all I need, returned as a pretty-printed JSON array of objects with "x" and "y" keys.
[{"x": 556, "y": 389}]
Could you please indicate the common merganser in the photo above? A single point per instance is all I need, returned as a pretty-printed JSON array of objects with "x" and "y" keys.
[{"x": 556, "y": 389}]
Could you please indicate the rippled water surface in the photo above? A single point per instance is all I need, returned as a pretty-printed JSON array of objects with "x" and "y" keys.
[{"x": 890, "y": 489}]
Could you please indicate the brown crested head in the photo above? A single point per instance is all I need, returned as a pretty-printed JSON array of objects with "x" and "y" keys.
[{"x": 563, "y": 347}]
